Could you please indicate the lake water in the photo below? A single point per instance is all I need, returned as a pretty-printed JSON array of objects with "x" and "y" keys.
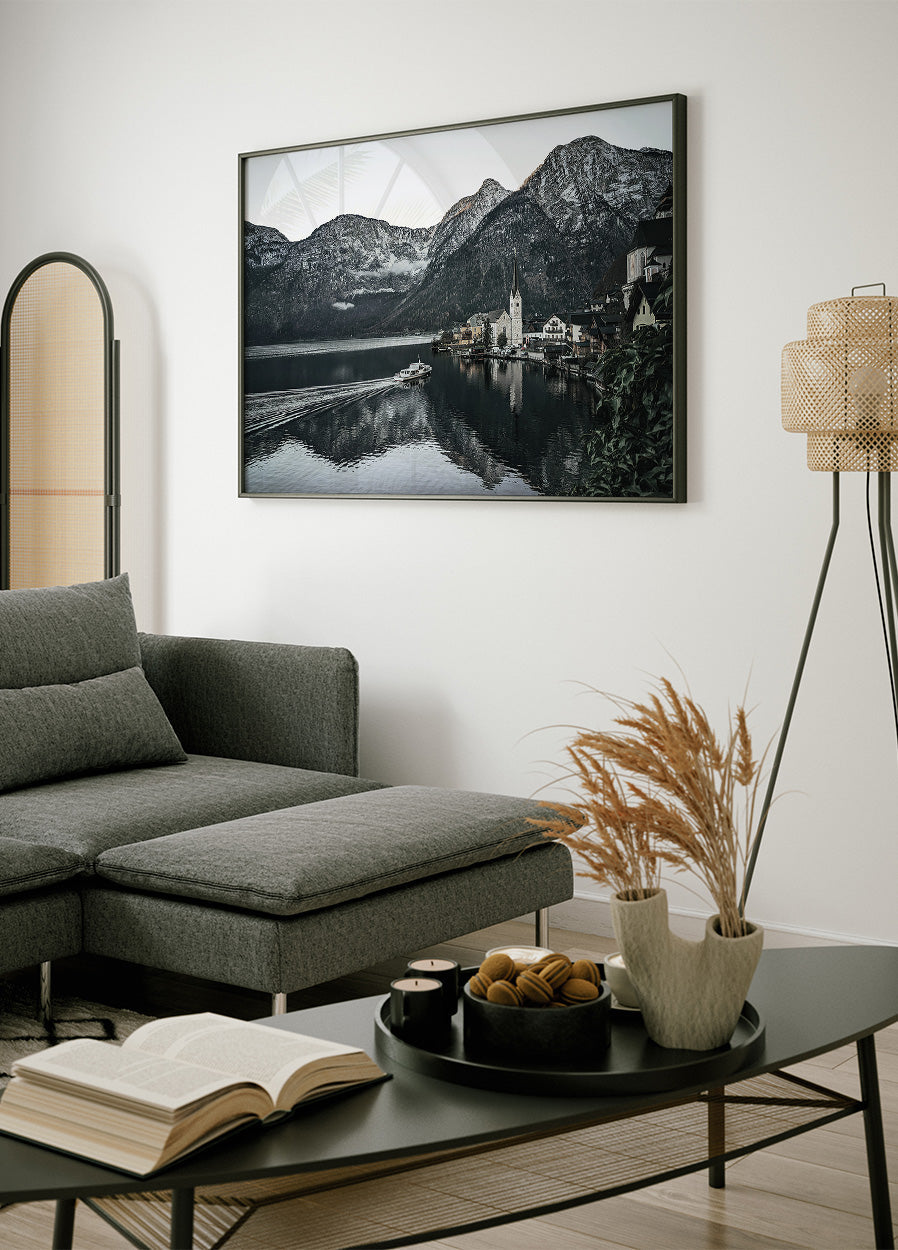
[{"x": 327, "y": 418}]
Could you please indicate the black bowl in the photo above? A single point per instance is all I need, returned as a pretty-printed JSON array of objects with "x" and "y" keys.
[{"x": 540, "y": 1035}]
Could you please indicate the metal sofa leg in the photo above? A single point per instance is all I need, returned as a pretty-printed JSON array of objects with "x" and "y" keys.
[
  {"x": 278, "y": 1004},
  {"x": 542, "y": 926},
  {"x": 46, "y": 1007}
]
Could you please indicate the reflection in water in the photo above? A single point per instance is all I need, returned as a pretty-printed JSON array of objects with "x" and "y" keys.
[{"x": 336, "y": 422}]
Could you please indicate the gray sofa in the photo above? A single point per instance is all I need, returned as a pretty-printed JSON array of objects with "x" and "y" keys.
[{"x": 194, "y": 805}]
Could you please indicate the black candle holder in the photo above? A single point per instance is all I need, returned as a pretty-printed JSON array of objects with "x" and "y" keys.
[
  {"x": 446, "y": 971},
  {"x": 418, "y": 1012}
]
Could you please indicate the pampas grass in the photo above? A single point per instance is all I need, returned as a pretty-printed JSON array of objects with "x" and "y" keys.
[{"x": 663, "y": 790}]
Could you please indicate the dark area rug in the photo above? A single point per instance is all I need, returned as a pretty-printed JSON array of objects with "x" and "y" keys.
[{"x": 22, "y": 1033}]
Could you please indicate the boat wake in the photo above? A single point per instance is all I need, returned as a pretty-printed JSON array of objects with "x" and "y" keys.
[{"x": 267, "y": 409}]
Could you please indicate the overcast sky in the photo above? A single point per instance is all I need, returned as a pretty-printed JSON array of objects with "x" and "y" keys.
[{"x": 412, "y": 180}]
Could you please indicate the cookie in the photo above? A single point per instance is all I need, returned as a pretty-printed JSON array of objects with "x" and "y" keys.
[
  {"x": 556, "y": 971},
  {"x": 498, "y": 967},
  {"x": 534, "y": 988},
  {"x": 505, "y": 993},
  {"x": 478, "y": 985},
  {"x": 576, "y": 990},
  {"x": 546, "y": 959},
  {"x": 586, "y": 970}
]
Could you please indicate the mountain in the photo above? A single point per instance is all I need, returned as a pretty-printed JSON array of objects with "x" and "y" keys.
[
  {"x": 570, "y": 219},
  {"x": 595, "y": 193},
  {"x": 477, "y": 276},
  {"x": 567, "y": 222},
  {"x": 333, "y": 282},
  {"x": 462, "y": 219},
  {"x": 350, "y": 256}
]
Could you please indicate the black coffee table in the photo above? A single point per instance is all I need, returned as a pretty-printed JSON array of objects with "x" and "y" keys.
[{"x": 812, "y": 999}]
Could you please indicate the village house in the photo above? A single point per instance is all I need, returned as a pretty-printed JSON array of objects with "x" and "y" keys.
[{"x": 554, "y": 330}]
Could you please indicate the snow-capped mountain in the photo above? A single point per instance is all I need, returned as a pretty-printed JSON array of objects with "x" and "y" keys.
[
  {"x": 591, "y": 189},
  {"x": 477, "y": 276},
  {"x": 354, "y": 255},
  {"x": 343, "y": 274},
  {"x": 567, "y": 222}
]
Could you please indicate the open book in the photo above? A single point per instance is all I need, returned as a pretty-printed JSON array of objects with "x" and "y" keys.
[{"x": 172, "y": 1086}]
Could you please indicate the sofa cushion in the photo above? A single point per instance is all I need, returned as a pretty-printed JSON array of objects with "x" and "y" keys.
[
  {"x": 321, "y": 854},
  {"x": 89, "y": 726},
  {"x": 283, "y": 953},
  {"x": 73, "y": 697},
  {"x": 25, "y": 867},
  {"x": 87, "y": 815},
  {"x": 60, "y": 634}
]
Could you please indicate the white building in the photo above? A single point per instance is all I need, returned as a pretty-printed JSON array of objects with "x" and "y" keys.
[
  {"x": 554, "y": 329},
  {"x": 502, "y": 325},
  {"x": 515, "y": 310}
]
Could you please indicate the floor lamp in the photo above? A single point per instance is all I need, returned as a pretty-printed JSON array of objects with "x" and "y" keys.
[{"x": 840, "y": 388}]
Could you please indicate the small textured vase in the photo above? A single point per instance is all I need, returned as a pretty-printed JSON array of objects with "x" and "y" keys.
[{"x": 691, "y": 993}]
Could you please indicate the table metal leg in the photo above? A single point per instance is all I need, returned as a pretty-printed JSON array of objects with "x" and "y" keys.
[
  {"x": 876, "y": 1151},
  {"x": 64, "y": 1224},
  {"x": 716, "y": 1138},
  {"x": 181, "y": 1219},
  {"x": 46, "y": 1007}
]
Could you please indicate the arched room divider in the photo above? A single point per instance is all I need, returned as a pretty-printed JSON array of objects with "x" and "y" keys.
[{"x": 59, "y": 445}]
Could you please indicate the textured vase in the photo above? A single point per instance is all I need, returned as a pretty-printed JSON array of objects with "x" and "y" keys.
[{"x": 691, "y": 994}]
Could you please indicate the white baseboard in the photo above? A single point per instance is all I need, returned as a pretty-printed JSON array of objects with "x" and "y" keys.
[{"x": 583, "y": 914}]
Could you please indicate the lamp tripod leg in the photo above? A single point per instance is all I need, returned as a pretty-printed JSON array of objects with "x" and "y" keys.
[
  {"x": 790, "y": 707},
  {"x": 889, "y": 582}
]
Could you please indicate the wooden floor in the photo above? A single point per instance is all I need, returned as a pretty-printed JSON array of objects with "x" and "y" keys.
[{"x": 809, "y": 1192}]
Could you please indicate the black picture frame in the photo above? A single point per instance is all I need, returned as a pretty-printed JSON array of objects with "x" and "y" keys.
[{"x": 545, "y": 309}]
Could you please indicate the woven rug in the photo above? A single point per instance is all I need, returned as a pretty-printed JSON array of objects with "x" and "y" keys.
[{"x": 22, "y": 1033}]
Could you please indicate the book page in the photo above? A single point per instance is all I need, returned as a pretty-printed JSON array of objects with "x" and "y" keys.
[
  {"x": 237, "y": 1047},
  {"x": 123, "y": 1137},
  {"x": 119, "y": 1077}
]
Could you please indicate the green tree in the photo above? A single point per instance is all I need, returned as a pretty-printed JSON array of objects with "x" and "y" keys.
[
  {"x": 630, "y": 450},
  {"x": 487, "y": 335},
  {"x": 502, "y": 340}
]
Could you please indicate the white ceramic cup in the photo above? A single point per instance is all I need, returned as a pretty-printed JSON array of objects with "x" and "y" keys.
[
  {"x": 521, "y": 954},
  {"x": 618, "y": 979}
]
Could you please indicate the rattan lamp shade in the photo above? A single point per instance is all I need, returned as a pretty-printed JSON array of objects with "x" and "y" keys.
[{"x": 840, "y": 385}]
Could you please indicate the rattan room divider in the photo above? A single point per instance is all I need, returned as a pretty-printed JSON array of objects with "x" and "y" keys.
[{"x": 59, "y": 427}]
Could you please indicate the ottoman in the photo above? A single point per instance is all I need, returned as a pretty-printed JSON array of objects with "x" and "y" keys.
[{"x": 290, "y": 898}]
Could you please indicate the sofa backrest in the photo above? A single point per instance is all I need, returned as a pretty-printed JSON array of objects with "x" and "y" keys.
[{"x": 275, "y": 703}]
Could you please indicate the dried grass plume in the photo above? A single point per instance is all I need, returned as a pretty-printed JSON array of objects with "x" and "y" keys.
[{"x": 663, "y": 790}]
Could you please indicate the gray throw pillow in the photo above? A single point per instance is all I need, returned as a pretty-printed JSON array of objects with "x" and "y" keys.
[
  {"x": 73, "y": 697},
  {"x": 57, "y": 634},
  {"x": 52, "y": 731}
]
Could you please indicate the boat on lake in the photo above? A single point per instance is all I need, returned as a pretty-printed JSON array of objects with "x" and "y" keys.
[{"x": 415, "y": 372}]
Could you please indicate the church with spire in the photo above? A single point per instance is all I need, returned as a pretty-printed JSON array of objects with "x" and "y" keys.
[{"x": 515, "y": 310}]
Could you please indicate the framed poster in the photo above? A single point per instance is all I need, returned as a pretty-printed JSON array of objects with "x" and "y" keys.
[{"x": 488, "y": 311}]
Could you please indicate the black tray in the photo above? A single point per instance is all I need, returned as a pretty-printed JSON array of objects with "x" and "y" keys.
[{"x": 632, "y": 1064}]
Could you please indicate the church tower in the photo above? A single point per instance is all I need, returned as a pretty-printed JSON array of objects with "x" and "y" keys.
[{"x": 515, "y": 311}]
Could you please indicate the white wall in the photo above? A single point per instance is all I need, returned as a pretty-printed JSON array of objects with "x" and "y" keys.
[{"x": 471, "y": 621}]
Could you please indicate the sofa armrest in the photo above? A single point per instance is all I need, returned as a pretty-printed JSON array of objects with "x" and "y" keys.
[{"x": 270, "y": 702}]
